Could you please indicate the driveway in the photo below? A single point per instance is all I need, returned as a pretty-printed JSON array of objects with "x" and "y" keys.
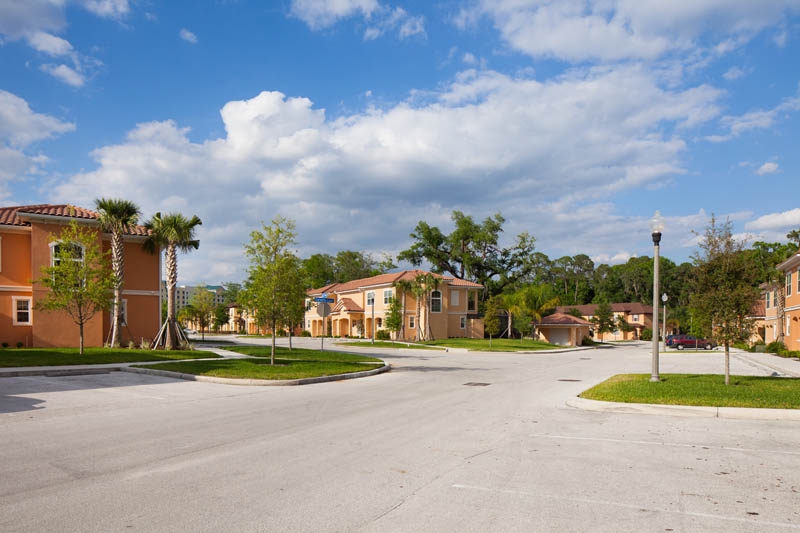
[{"x": 418, "y": 448}]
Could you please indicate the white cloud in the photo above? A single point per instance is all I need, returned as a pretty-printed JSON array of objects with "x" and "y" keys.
[
  {"x": 49, "y": 44},
  {"x": 767, "y": 168},
  {"x": 734, "y": 73},
  {"x": 320, "y": 14},
  {"x": 469, "y": 59},
  {"x": 20, "y": 127},
  {"x": 613, "y": 30},
  {"x": 754, "y": 120},
  {"x": 546, "y": 148},
  {"x": 187, "y": 36},
  {"x": 65, "y": 74},
  {"x": 114, "y": 9},
  {"x": 776, "y": 221}
]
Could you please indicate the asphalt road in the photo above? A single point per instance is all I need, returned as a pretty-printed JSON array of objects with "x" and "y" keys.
[{"x": 411, "y": 450}]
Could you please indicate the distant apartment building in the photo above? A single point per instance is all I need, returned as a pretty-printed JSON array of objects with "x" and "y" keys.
[
  {"x": 363, "y": 303},
  {"x": 638, "y": 316},
  {"x": 185, "y": 293}
]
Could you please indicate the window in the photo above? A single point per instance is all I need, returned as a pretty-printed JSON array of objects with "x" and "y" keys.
[
  {"x": 798, "y": 279},
  {"x": 635, "y": 318},
  {"x": 463, "y": 322},
  {"x": 454, "y": 297},
  {"x": 470, "y": 301},
  {"x": 411, "y": 322},
  {"x": 370, "y": 298},
  {"x": 768, "y": 295},
  {"x": 308, "y": 305},
  {"x": 787, "y": 325},
  {"x": 378, "y": 323},
  {"x": 436, "y": 302},
  {"x": 66, "y": 250},
  {"x": 788, "y": 284},
  {"x": 124, "y": 312},
  {"x": 21, "y": 313},
  {"x": 387, "y": 296}
]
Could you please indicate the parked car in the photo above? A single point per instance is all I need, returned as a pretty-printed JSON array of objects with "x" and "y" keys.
[
  {"x": 690, "y": 341},
  {"x": 671, "y": 338}
]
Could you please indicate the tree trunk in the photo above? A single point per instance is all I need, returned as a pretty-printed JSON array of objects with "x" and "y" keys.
[
  {"x": 81, "y": 341},
  {"x": 490, "y": 342},
  {"x": 780, "y": 299},
  {"x": 727, "y": 364},
  {"x": 510, "y": 319},
  {"x": 290, "y": 336},
  {"x": 171, "y": 261},
  {"x": 272, "y": 354},
  {"x": 419, "y": 318},
  {"x": 118, "y": 267}
]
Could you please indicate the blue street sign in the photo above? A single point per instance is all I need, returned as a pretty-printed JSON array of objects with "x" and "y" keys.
[{"x": 325, "y": 300}]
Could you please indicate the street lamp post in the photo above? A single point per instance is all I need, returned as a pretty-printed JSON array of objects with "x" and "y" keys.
[
  {"x": 656, "y": 226},
  {"x": 373, "y": 319},
  {"x": 664, "y": 299}
]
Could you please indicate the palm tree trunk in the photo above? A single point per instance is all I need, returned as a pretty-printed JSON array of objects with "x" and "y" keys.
[
  {"x": 419, "y": 318},
  {"x": 118, "y": 267},
  {"x": 171, "y": 261}
]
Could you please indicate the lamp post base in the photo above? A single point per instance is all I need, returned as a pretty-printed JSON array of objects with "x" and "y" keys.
[{"x": 654, "y": 379}]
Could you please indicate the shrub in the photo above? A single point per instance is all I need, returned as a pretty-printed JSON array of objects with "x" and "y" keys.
[
  {"x": 776, "y": 347},
  {"x": 19, "y": 344},
  {"x": 280, "y": 333},
  {"x": 741, "y": 345},
  {"x": 383, "y": 335},
  {"x": 131, "y": 345},
  {"x": 5, "y": 345},
  {"x": 588, "y": 342},
  {"x": 647, "y": 334},
  {"x": 146, "y": 344},
  {"x": 305, "y": 333}
]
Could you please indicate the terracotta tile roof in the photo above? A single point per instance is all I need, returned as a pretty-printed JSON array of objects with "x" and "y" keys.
[
  {"x": 347, "y": 304},
  {"x": 560, "y": 319},
  {"x": 389, "y": 279},
  {"x": 629, "y": 307},
  {"x": 759, "y": 309},
  {"x": 10, "y": 216}
]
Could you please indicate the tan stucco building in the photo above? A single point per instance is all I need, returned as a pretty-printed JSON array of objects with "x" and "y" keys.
[
  {"x": 360, "y": 303},
  {"x": 638, "y": 316},
  {"x": 563, "y": 329}
]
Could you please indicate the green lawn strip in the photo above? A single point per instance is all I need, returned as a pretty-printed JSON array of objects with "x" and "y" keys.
[
  {"x": 304, "y": 354},
  {"x": 261, "y": 369},
  {"x": 700, "y": 389},
  {"x": 11, "y": 357},
  {"x": 498, "y": 345},
  {"x": 387, "y": 344}
]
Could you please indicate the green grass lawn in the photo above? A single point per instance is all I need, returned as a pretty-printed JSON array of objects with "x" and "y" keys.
[
  {"x": 387, "y": 344},
  {"x": 498, "y": 345},
  {"x": 261, "y": 369},
  {"x": 210, "y": 341},
  {"x": 700, "y": 389},
  {"x": 303, "y": 354},
  {"x": 11, "y": 357}
]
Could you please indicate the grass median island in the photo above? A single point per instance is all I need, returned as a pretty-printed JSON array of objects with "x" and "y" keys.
[
  {"x": 498, "y": 345},
  {"x": 258, "y": 368},
  {"x": 303, "y": 354},
  {"x": 14, "y": 357},
  {"x": 699, "y": 389},
  {"x": 387, "y": 344}
]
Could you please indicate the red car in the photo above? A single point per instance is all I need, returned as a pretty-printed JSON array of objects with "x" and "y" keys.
[{"x": 690, "y": 341}]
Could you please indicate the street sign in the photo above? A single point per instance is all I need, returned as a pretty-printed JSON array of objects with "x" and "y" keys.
[
  {"x": 323, "y": 309},
  {"x": 324, "y": 300}
]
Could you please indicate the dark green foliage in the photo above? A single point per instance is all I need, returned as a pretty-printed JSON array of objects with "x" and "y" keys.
[
  {"x": 603, "y": 319},
  {"x": 305, "y": 333},
  {"x": 776, "y": 347},
  {"x": 574, "y": 312},
  {"x": 647, "y": 334},
  {"x": 382, "y": 335},
  {"x": 347, "y": 265}
]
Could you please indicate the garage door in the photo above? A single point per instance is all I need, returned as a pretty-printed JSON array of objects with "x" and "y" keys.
[{"x": 559, "y": 336}]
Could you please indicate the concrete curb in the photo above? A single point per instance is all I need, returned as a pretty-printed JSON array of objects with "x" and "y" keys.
[
  {"x": 697, "y": 411},
  {"x": 55, "y": 372},
  {"x": 257, "y": 382}
]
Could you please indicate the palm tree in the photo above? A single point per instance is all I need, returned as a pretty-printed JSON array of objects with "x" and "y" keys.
[
  {"x": 429, "y": 283},
  {"x": 539, "y": 300},
  {"x": 404, "y": 286},
  {"x": 116, "y": 216},
  {"x": 174, "y": 232}
]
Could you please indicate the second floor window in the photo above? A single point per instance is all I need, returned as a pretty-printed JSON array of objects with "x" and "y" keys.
[
  {"x": 370, "y": 298},
  {"x": 789, "y": 284},
  {"x": 635, "y": 318},
  {"x": 436, "y": 302},
  {"x": 470, "y": 301},
  {"x": 387, "y": 297},
  {"x": 768, "y": 295}
]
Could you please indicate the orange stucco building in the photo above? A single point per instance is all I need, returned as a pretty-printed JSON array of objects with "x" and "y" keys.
[
  {"x": 791, "y": 323},
  {"x": 26, "y": 237},
  {"x": 638, "y": 316},
  {"x": 453, "y": 313}
]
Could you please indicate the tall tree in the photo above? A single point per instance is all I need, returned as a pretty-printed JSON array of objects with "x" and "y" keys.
[
  {"x": 723, "y": 286},
  {"x": 116, "y": 216},
  {"x": 320, "y": 270},
  {"x": 794, "y": 237},
  {"x": 221, "y": 316},
  {"x": 80, "y": 280},
  {"x": 603, "y": 319},
  {"x": 272, "y": 268},
  {"x": 472, "y": 251},
  {"x": 173, "y": 232},
  {"x": 230, "y": 292}
]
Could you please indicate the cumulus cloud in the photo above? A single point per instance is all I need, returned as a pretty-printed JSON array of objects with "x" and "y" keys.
[
  {"x": 767, "y": 168},
  {"x": 542, "y": 150},
  {"x": 65, "y": 74},
  {"x": 776, "y": 221},
  {"x": 114, "y": 9},
  {"x": 187, "y": 36},
  {"x": 614, "y": 30},
  {"x": 734, "y": 73},
  {"x": 20, "y": 127},
  {"x": 49, "y": 44},
  {"x": 381, "y": 18},
  {"x": 755, "y": 120}
]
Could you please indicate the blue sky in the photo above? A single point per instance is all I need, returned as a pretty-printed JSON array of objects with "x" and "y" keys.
[{"x": 574, "y": 119}]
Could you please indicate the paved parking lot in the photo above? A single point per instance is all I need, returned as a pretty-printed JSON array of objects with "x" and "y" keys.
[{"x": 414, "y": 449}]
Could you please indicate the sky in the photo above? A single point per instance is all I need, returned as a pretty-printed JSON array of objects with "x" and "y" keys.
[{"x": 574, "y": 119}]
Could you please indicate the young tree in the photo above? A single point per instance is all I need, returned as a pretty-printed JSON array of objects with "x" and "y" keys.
[
  {"x": 622, "y": 325},
  {"x": 116, "y": 216},
  {"x": 294, "y": 295},
  {"x": 80, "y": 281},
  {"x": 270, "y": 272},
  {"x": 538, "y": 301},
  {"x": 491, "y": 322},
  {"x": 723, "y": 286},
  {"x": 221, "y": 316},
  {"x": 603, "y": 319},
  {"x": 394, "y": 318},
  {"x": 174, "y": 232},
  {"x": 202, "y": 301}
]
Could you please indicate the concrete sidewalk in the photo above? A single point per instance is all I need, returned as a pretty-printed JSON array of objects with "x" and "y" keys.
[{"x": 776, "y": 363}]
